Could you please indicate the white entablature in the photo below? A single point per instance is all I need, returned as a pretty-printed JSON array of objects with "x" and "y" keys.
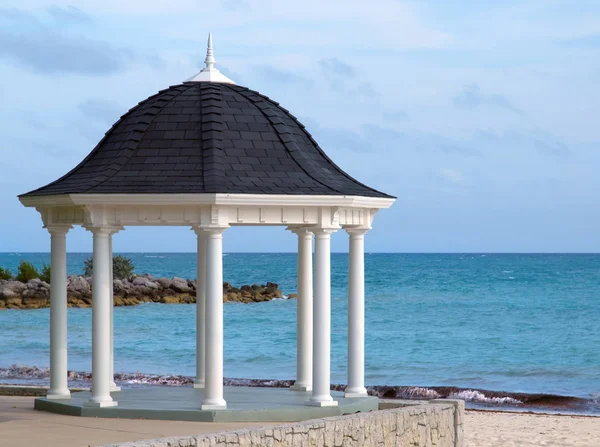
[{"x": 207, "y": 210}]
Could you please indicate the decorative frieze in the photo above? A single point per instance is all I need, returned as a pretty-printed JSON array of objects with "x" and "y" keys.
[{"x": 206, "y": 215}]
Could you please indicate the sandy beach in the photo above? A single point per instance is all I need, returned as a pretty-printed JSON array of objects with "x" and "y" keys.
[
  {"x": 498, "y": 429},
  {"x": 482, "y": 429}
]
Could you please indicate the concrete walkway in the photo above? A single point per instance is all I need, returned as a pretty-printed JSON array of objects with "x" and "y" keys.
[{"x": 21, "y": 425}]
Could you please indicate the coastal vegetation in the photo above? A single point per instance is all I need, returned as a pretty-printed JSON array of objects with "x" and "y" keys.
[
  {"x": 45, "y": 275},
  {"x": 122, "y": 267},
  {"x": 25, "y": 272},
  {"x": 5, "y": 274}
]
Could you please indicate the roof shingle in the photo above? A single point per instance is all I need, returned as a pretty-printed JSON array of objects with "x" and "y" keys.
[{"x": 200, "y": 137}]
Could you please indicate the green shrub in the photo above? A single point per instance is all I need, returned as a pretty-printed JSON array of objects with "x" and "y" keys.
[
  {"x": 88, "y": 267},
  {"x": 5, "y": 273},
  {"x": 45, "y": 276},
  {"x": 122, "y": 267},
  {"x": 27, "y": 271}
]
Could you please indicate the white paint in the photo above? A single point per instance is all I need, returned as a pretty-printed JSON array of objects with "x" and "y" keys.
[
  {"x": 58, "y": 313},
  {"x": 356, "y": 314},
  {"x": 213, "y": 390},
  {"x": 200, "y": 308},
  {"x": 304, "y": 303},
  {"x": 210, "y": 73},
  {"x": 113, "y": 385},
  {"x": 190, "y": 215},
  {"x": 101, "y": 320},
  {"x": 321, "y": 394},
  {"x": 210, "y": 58},
  {"x": 208, "y": 199}
]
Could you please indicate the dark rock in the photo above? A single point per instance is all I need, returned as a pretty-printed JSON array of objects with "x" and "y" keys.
[
  {"x": 12, "y": 289},
  {"x": 165, "y": 283},
  {"x": 180, "y": 285},
  {"x": 145, "y": 283},
  {"x": 127, "y": 292},
  {"x": 78, "y": 286}
]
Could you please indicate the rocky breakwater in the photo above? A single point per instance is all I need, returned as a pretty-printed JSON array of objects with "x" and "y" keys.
[{"x": 35, "y": 293}]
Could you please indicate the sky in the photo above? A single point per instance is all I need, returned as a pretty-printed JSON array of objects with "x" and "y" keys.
[{"x": 481, "y": 117}]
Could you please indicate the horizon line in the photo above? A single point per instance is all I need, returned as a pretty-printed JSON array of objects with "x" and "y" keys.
[{"x": 343, "y": 252}]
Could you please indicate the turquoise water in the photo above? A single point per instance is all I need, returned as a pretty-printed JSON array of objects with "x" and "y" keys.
[{"x": 521, "y": 323}]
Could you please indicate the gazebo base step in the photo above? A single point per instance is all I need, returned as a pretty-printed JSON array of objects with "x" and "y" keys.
[{"x": 244, "y": 404}]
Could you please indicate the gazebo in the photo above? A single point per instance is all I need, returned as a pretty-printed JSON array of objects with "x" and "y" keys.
[{"x": 209, "y": 154}]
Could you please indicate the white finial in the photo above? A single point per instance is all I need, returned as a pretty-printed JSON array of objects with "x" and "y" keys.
[
  {"x": 210, "y": 58},
  {"x": 210, "y": 73}
]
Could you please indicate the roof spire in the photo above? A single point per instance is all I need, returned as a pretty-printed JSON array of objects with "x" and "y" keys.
[
  {"x": 210, "y": 73},
  {"x": 210, "y": 58}
]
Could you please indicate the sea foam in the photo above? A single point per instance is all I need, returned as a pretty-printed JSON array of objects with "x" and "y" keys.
[{"x": 476, "y": 396}]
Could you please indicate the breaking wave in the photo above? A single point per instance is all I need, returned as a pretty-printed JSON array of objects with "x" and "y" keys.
[{"x": 476, "y": 396}]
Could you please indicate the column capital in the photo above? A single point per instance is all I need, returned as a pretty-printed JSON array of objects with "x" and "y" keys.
[
  {"x": 301, "y": 231},
  {"x": 200, "y": 230},
  {"x": 356, "y": 232},
  {"x": 323, "y": 232},
  {"x": 58, "y": 229},
  {"x": 212, "y": 232},
  {"x": 104, "y": 230}
]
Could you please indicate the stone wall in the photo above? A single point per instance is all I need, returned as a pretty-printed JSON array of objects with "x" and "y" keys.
[{"x": 437, "y": 423}]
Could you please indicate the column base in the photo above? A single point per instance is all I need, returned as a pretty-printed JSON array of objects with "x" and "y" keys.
[
  {"x": 198, "y": 384},
  {"x": 300, "y": 387},
  {"x": 114, "y": 388},
  {"x": 355, "y": 392},
  {"x": 58, "y": 395},
  {"x": 214, "y": 405},
  {"x": 103, "y": 404},
  {"x": 321, "y": 403}
]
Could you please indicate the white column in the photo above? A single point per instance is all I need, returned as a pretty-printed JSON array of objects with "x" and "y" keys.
[
  {"x": 213, "y": 390},
  {"x": 356, "y": 314},
  {"x": 200, "y": 308},
  {"x": 101, "y": 320},
  {"x": 321, "y": 394},
  {"x": 113, "y": 385},
  {"x": 304, "y": 323},
  {"x": 58, "y": 313}
]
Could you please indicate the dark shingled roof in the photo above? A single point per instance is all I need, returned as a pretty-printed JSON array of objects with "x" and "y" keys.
[{"x": 203, "y": 137}]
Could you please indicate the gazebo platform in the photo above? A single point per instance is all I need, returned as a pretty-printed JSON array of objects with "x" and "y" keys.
[{"x": 244, "y": 404}]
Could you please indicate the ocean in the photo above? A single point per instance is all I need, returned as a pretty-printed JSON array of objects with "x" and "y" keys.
[{"x": 507, "y": 322}]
